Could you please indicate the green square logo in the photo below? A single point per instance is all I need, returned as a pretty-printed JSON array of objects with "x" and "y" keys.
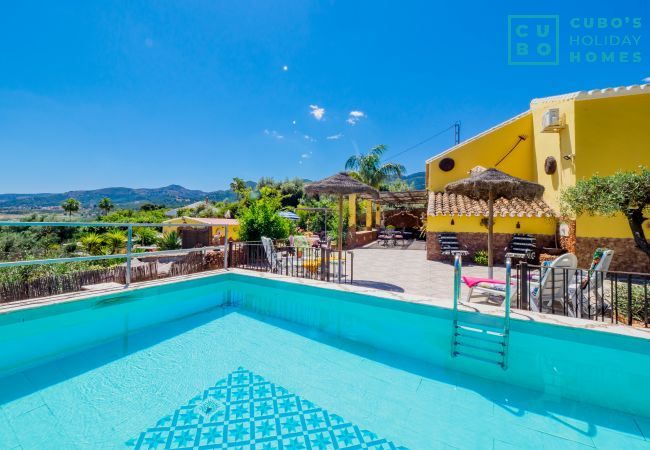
[{"x": 533, "y": 40}]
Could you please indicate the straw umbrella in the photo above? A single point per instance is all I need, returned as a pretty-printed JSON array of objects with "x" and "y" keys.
[
  {"x": 490, "y": 184},
  {"x": 340, "y": 184}
]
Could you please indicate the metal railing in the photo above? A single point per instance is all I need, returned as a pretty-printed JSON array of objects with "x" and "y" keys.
[
  {"x": 183, "y": 261},
  {"x": 300, "y": 262},
  {"x": 606, "y": 296}
]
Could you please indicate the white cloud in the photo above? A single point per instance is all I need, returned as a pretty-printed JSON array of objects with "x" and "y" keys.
[
  {"x": 355, "y": 116},
  {"x": 646, "y": 79},
  {"x": 273, "y": 134},
  {"x": 308, "y": 138},
  {"x": 335, "y": 137},
  {"x": 317, "y": 112},
  {"x": 285, "y": 68},
  {"x": 306, "y": 155}
]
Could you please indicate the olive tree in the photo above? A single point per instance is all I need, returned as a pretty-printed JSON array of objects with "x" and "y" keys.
[{"x": 627, "y": 193}]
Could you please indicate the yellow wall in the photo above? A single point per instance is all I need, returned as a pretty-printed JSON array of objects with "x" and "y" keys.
[
  {"x": 464, "y": 224},
  {"x": 486, "y": 151},
  {"x": 611, "y": 134},
  {"x": 233, "y": 230},
  {"x": 605, "y": 135},
  {"x": 556, "y": 145}
]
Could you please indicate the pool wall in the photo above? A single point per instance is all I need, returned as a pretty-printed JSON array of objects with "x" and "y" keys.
[
  {"x": 602, "y": 368},
  {"x": 34, "y": 336}
]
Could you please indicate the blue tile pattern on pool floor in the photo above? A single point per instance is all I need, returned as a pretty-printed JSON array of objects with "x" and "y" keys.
[{"x": 244, "y": 411}]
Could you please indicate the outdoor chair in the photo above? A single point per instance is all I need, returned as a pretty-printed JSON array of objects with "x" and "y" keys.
[
  {"x": 274, "y": 258},
  {"x": 522, "y": 246},
  {"x": 449, "y": 245},
  {"x": 487, "y": 287},
  {"x": 554, "y": 280},
  {"x": 586, "y": 296}
]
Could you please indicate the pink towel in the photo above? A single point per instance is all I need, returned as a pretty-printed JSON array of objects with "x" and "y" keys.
[{"x": 471, "y": 281}]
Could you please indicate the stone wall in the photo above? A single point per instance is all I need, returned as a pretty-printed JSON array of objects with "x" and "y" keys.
[
  {"x": 478, "y": 241},
  {"x": 627, "y": 257}
]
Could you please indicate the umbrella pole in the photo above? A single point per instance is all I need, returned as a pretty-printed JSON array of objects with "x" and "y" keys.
[
  {"x": 340, "y": 237},
  {"x": 490, "y": 232}
]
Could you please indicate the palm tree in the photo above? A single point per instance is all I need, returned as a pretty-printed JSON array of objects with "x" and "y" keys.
[
  {"x": 105, "y": 205},
  {"x": 367, "y": 167},
  {"x": 70, "y": 206},
  {"x": 92, "y": 243},
  {"x": 170, "y": 241},
  {"x": 115, "y": 241},
  {"x": 146, "y": 236},
  {"x": 239, "y": 187}
]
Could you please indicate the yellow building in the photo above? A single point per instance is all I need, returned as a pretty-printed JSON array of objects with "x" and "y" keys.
[
  {"x": 217, "y": 227},
  {"x": 559, "y": 140}
]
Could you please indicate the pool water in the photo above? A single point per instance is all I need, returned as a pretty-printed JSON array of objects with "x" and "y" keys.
[{"x": 227, "y": 376}]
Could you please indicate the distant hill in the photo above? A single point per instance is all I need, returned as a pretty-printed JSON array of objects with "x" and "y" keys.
[
  {"x": 171, "y": 196},
  {"x": 417, "y": 179}
]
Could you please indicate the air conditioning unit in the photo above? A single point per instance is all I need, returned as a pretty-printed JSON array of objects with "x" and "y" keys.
[{"x": 551, "y": 121}]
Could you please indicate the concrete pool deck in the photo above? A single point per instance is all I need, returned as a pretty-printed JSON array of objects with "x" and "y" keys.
[{"x": 408, "y": 271}]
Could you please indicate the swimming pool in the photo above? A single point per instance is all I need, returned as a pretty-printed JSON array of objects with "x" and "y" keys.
[{"x": 233, "y": 361}]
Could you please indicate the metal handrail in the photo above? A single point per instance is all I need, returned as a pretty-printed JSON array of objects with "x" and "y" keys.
[
  {"x": 102, "y": 224},
  {"x": 129, "y": 244}
]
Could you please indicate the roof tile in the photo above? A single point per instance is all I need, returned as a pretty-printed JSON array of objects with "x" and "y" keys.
[{"x": 444, "y": 204}]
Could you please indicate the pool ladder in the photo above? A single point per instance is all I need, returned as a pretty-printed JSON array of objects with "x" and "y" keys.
[{"x": 480, "y": 336}]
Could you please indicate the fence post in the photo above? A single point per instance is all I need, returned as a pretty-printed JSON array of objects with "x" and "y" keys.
[
  {"x": 323, "y": 264},
  {"x": 225, "y": 248},
  {"x": 129, "y": 247},
  {"x": 629, "y": 299},
  {"x": 524, "y": 285}
]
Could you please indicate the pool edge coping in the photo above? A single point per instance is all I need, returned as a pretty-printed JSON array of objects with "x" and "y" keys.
[{"x": 444, "y": 303}]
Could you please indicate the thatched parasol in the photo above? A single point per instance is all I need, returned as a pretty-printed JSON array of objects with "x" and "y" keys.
[
  {"x": 489, "y": 184},
  {"x": 340, "y": 184}
]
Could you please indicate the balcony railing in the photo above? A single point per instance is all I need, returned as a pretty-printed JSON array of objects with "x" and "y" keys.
[
  {"x": 301, "y": 262},
  {"x": 614, "y": 297},
  {"x": 129, "y": 264}
]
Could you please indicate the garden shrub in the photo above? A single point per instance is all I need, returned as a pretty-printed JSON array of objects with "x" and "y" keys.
[{"x": 481, "y": 257}]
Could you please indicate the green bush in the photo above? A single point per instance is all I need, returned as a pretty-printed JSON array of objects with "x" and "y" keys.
[
  {"x": 170, "y": 241},
  {"x": 638, "y": 301},
  {"x": 145, "y": 236},
  {"x": 481, "y": 258},
  {"x": 260, "y": 218}
]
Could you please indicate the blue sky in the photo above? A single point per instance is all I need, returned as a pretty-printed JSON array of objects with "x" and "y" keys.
[{"x": 145, "y": 94}]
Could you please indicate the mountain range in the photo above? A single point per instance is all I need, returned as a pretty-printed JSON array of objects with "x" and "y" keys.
[{"x": 170, "y": 196}]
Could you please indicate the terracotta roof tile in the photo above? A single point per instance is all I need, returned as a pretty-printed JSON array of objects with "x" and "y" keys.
[{"x": 443, "y": 204}]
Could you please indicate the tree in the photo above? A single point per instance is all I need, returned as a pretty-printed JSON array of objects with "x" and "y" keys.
[
  {"x": 627, "y": 193},
  {"x": 92, "y": 243},
  {"x": 170, "y": 241},
  {"x": 367, "y": 167},
  {"x": 145, "y": 236},
  {"x": 260, "y": 218},
  {"x": 115, "y": 241},
  {"x": 70, "y": 206},
  {"x": 238, "y": 186},
  {"x": 105, "y": 205},
  {"x": 150, "y": 207}
]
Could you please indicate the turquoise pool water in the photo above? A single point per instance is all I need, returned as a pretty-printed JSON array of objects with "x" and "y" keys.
[{"x": 233, "y": 362}]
